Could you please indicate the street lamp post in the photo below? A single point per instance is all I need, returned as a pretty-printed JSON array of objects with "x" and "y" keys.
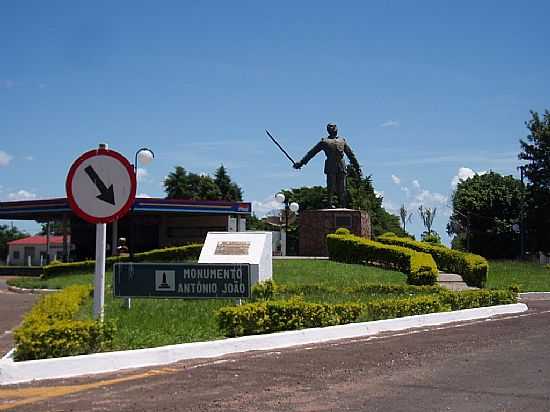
[
  {"x": 145, "y": 156},
  {"x": 289, "y": 207},
  {"x": 521, "y": 213}
]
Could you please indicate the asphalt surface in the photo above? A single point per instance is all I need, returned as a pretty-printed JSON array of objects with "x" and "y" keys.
[
  {"x": 12, "y": 308},
  {"x": 501, "y": 364}
]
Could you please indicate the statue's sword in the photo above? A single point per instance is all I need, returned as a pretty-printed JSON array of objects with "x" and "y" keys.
[{"x": 280, "y": 147}]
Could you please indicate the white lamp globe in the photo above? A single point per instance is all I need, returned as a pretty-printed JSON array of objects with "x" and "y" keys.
[
  {"x": 279, "y": 197},
  {"x": 146, "y": 156},
  {"x": 294, "y": 207}
]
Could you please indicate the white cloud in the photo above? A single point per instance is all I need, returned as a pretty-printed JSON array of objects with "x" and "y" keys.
[
  {"x": 21, "y": 195},
  {"x": 395, "y": 179},
  {"x": 389, "y": 206},
  {"x": 416, "y": 184},
  {"x": 264, "y": 207},
  {"x": 378, "y": 194},
  {"x": 464, "y": 173},
  {"x": 406, "y": 190},
  {"x": 390, "y": 123},
  {"x": 431, "y": 197},
  {"x": 144, "y": 195},
  {"x": 5, "y": 158}
]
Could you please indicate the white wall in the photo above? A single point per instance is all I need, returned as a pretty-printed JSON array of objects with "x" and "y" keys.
[{"x": 56, "y": 250}]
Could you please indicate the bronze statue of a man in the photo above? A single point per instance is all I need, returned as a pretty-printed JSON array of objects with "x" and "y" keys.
[{"x": 334, "y": 147}]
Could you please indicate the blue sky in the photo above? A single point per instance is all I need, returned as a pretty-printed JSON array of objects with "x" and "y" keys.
[{"x": 421, "y": 90}]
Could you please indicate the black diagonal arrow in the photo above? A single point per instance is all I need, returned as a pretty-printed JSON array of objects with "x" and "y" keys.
[{"x": 107, "y": 195}]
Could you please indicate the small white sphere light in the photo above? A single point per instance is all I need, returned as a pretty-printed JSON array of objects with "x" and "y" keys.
[
  {"x": 279, "y": 197},
  {"x": 294, "y": 207},
  {"x": 146, "y": 156}
]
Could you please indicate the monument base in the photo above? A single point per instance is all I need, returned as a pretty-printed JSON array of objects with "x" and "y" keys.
[{"x": 315, "y": 225}]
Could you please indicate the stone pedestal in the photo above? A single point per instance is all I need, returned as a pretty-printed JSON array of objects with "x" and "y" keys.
[{"x": 315, "y": 225}]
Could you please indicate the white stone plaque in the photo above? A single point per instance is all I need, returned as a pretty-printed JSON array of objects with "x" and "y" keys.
[{"x": 254, "y": 248}]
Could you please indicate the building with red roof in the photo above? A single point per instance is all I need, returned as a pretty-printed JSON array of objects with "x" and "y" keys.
[{"x": 35, "y": 250}]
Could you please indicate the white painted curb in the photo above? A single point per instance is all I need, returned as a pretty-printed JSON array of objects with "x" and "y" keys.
[
  {"x": 17, "y": 372},
  {"x": 535, "y": 295}
]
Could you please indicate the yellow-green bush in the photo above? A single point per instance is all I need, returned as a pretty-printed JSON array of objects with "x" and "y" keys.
[
  {"x": 397, "y": 308},
  {"x": 472, "y": 268},
  {"x": 477, "y": 298},
  {"x": 49, "y": 330},
  {"x": 269, "y": 290},
  {"x": 276, "y": 316},
  {"x": 419, "y": 267},
  {"x": 170, "y": 254}
]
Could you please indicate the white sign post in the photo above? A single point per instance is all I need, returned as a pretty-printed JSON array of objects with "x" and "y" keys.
[{"x": 101, "y": 188}]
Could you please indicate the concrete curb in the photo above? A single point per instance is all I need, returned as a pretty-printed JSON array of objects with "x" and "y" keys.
[
  {"x": 535, "y": 295},
  {"x": 17, "y": 372},
  {"x": 17, "y": 289}
]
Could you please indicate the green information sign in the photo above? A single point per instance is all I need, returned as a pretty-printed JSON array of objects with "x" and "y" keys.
[{"x": 181, "y": 280}]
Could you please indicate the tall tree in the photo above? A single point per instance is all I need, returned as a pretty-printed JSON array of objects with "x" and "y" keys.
[
  {"x": 176, "y": 184},
  {"x": 229, "y": 190},
  {"x": 536, "y": 151},
  {"x": 486, "y": 211},
  {"x": 7, "y": 234},
  {"x": 180, "y": 184}
]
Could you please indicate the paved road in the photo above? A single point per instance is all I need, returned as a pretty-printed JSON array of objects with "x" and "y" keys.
[
  {"x": 491, "y": 365},
  {"x": 12, "y": 308}
]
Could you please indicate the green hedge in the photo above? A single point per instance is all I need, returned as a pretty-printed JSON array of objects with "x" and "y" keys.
[
  {"x": 276, "y": 316},
  {"x": 397, "y": 308},
  {"x": 268, "y": 290},
  {"x": 49, "y": 330},
  {"x": 477, "y": 298},
  {"x": 472, "y": 268},
  {"x": 419, "y": 267},
  {"x": 179, "y": 253}
]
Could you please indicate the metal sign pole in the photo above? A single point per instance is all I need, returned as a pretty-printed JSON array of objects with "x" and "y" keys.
[{"x": 99, "y": 289}]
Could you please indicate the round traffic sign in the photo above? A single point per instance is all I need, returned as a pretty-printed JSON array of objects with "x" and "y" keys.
[{"x": 101, "y": 186}]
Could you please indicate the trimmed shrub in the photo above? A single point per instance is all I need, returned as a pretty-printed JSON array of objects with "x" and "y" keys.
[
  {"x": 276, "y": 316},
  {"x": 472, "y": 268},
  {"x": 398, "y": 308},
  {"x": 477, "y": 298},
  {"x": 263, "y": 290},
  {"x": 419, "y": 267},
  {"x": 50, "y": 330},
  {"x": 179, "y": 253},
  {"x": 342, "y": 231}
]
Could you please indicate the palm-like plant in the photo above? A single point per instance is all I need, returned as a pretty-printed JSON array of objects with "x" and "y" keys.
[
  {"x": 406, "y": 216},
  {"x": 427, "y": 215}
]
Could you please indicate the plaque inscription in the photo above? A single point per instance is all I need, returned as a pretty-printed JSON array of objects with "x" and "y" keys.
[{"x": 232, "y": 248}]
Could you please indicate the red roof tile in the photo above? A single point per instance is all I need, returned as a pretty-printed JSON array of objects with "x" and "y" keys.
[{"x": 37, "y": 240}]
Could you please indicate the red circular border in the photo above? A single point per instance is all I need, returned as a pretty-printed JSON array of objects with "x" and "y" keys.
[{"x": 68, "y": 186}]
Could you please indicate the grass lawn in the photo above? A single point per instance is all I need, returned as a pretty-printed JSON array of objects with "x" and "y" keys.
[
  {"x": 530, "y": 277},
  {"x": 58, "y": 282},
  {"x": 155, "y": 322}
]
